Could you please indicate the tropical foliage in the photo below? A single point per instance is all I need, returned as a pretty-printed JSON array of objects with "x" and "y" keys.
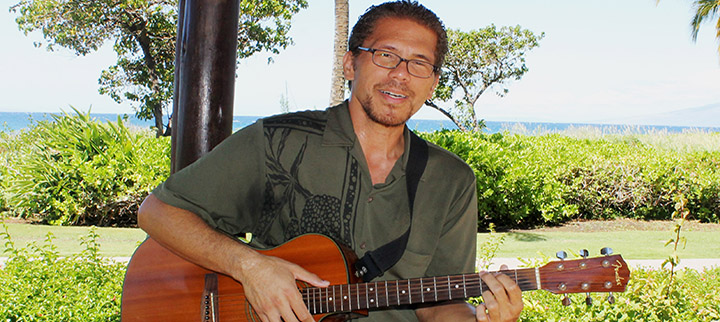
[
  {"x": 76, "y": 170},
  {"x": 548, "y": 179},
  {"x": 705, "y": 10},
  {"x": 478, "y": 61},
  {"x": 36, "y": 284},
  {"x": 143, "y": 34}
]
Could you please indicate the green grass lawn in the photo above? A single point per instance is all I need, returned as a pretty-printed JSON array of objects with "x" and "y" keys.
[
  {"x": 114, "y": 242},
  {"x": 632, "y": 243}
]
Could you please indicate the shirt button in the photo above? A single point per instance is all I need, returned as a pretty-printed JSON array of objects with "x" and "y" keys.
[
  {"x": 362, "y": 245},
  {"x": 370, "y": 199}
]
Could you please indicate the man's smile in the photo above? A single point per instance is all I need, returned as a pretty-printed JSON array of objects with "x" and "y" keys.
[{"x": 393, "y": 94}]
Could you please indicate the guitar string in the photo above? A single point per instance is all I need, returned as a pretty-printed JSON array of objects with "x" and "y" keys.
[
  {"x": 441, "y": 291},
  {"x": 454, "y": 279},
  {"x": 525, "y": 278}
]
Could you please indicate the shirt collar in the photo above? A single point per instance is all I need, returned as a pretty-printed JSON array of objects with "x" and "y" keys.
[{"x": 339, "y": 130}]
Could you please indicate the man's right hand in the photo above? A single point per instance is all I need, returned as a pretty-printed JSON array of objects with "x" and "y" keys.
[
  {"x": 269, "y": 282},
  {"x": 270, "y": 287}
]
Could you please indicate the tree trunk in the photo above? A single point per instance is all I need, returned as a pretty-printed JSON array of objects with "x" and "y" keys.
[
  {"x": 446, "y": 113},
  {"x": 337, "y": 90}
]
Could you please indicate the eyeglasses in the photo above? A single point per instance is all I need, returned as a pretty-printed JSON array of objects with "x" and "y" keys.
[{"x": 386, "y": 59}]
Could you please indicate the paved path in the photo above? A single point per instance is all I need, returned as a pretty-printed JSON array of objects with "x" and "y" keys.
[{"x": 695, "y": 263}]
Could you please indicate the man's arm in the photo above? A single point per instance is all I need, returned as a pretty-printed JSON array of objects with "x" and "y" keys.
[
  {"x": 269, "y": 282},
  {"x": 503, "y": 301}
]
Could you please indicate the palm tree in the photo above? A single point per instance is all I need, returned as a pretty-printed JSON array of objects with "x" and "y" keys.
[
  {"x": 705, "y": 9},
  {"x": 337, "y": 84}
]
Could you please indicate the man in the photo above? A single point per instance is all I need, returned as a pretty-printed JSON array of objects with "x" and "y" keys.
[{"x": 339, "y": 172}]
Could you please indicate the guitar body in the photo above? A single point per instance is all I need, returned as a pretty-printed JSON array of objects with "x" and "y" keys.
[{"x": 161, "y": 286}]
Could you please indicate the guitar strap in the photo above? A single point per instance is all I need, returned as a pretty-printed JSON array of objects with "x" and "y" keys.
[{"x": 376, "y": 262}]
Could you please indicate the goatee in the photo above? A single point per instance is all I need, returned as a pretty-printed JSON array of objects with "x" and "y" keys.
[{"x": 375, "y": 115}]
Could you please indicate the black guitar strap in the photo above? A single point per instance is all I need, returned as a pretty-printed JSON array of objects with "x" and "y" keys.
[{"x": 376, "y": 262}]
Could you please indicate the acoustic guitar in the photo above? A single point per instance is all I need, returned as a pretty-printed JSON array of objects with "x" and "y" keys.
[{"x": 160, "y": 286}]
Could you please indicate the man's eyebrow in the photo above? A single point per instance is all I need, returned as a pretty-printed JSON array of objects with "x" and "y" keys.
[{"x": 393, "y": 49}]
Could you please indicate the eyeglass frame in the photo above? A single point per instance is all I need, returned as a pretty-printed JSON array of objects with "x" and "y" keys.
[{"x": 372, "y": 52}]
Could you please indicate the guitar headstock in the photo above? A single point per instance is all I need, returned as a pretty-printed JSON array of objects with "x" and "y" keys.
[{"x": 598, "y": 274}]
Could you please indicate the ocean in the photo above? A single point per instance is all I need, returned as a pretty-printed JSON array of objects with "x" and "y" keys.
[{"x": 14, "y": 121}]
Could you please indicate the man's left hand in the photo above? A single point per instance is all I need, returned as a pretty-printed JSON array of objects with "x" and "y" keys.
[{"x": 502, "y": 301}]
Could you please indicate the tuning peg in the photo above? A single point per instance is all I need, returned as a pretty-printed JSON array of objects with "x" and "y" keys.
[
  {"x": 607, "y": 251},
  {"x": 566, "y": 300},
  {"x": 561, "y": 255},
  {"x": 611, "y": 298},
  {"x": 588, "y": 300},
  {"x": 584, "y": 253}
]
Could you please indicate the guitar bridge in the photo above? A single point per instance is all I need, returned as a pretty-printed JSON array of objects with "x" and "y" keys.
[{"x": 209, "y": 305}]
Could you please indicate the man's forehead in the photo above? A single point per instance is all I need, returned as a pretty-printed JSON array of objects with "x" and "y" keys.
[{"x": 395, "y": 34}]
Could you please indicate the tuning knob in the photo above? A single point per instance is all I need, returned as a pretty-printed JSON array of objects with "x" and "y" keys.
[
  {"x": 561, "y": 255},
  {"x": 611, "y": 298},
  {"x": 588, "y": 300},
  {"x": 607, "y": 251},
  {"x": 566, "y": 300},
  {"x": 584, "y": 253}
]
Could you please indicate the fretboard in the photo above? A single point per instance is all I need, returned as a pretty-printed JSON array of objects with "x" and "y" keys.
[{"x": 350, "y": 297}]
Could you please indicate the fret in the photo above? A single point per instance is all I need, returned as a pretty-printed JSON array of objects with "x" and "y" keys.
[
  {"x": 349, "y": 298},
  {"x": 342, "y": 300},
  {"x": 409, "y": 292},
  {"x": 481, "y": 283},
  {"x": 334, "y": 301},
  {"x": 397, "y": 291},
  {"x": 376, "y": 295},
  {"x": 327, "y": 302},
  {"x": 464, "y": 287},
  {"x": 435, "y": 287},
  {"x": 422, "y": 292},
  {"x": 367, "y": 296},
  {"x": 306, "y": 298},
  {"x": 449, "y": 289},
  {"x": 357, "y": 290},
  {"x": 314, "y": 301},
  {"x": 387, "y": 297}
]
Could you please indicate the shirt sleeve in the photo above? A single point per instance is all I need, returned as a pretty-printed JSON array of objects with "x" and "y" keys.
[{"x": 222, "y": 187}]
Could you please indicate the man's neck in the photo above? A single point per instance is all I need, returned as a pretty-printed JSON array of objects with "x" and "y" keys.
[{"x": 381, "y": 145}]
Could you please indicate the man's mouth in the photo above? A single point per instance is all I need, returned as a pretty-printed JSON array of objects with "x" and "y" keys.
[{"x": 394, "y": 95}]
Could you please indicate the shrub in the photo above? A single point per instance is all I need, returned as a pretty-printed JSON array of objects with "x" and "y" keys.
[
  {"x": 646, "y": 299},
  {"x": 524, "y": 181},
  {"x": 76, "y": 170},
  {"x": 38, "y": 285}
]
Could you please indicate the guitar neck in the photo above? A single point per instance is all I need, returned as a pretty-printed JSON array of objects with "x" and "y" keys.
[{"x": 350, "y": 297}]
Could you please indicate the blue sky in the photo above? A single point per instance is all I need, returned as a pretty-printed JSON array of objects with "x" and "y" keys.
[{"x": 599, "y": 61}]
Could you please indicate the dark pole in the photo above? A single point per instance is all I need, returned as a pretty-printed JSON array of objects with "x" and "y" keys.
[{"x": 204, "y": 78}]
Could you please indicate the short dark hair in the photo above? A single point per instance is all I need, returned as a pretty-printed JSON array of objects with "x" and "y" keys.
[{"x": 400, "y": 9}]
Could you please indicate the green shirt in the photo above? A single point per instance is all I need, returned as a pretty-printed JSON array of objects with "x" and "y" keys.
[{"x": 305, "y": 172}]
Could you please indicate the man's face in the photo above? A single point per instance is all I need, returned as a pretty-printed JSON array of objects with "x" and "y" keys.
[{"x": 391, "y": 96}]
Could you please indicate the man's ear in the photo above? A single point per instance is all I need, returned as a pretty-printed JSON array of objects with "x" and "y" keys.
[
  {"x": 349, "y": 66},
  {"x": 435, "y": 85}
]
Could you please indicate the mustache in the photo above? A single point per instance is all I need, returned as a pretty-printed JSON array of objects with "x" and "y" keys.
[{"x": 395, "y": 86}]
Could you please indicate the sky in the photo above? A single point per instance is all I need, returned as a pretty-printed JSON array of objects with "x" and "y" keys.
[{"x": 600, "y": 61}]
